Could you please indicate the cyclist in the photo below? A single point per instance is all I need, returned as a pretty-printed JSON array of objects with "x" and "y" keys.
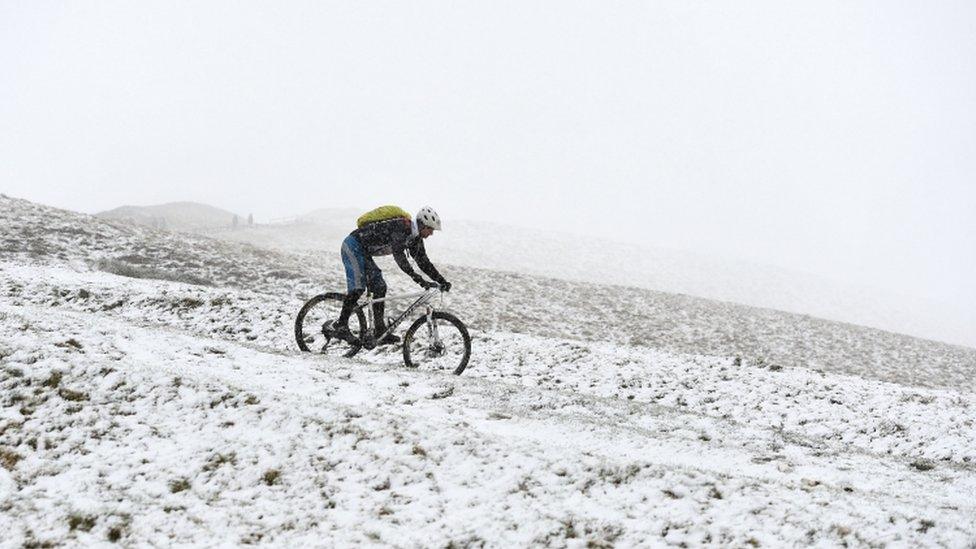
[{"x": 395, "y": 236}]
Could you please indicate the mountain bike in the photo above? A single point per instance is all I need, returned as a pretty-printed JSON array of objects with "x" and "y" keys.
[{"x": 437, "y": 340}]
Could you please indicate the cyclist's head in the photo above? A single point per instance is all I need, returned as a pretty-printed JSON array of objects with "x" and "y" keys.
[{"x": 428, "y": 219}]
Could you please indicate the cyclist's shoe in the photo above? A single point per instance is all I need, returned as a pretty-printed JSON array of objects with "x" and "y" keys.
[
  {"x": 390, "y": 339},
  {"x": 343, "y": 333}
]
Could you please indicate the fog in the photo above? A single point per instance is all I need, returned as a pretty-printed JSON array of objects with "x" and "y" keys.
[{"x": 837, "y": 138}]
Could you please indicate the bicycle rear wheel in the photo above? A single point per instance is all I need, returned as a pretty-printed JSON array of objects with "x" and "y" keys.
[
  {"x": 315, "y": 320},
  {"x": 441, "y": 345}
]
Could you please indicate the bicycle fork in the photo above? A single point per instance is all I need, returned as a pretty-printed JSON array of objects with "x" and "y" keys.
[{"x": 436, "y": 345}]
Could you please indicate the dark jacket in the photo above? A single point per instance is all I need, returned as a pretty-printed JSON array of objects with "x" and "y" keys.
[{"x": 395, "y": 236}]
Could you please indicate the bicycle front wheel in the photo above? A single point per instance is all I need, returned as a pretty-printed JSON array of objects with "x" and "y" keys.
[
  {"x": 314, "y": 323},
  {"x": 443, "y": 344}
]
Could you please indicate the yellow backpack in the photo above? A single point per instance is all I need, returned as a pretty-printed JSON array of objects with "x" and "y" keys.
[{"x": 382, "y": 213}]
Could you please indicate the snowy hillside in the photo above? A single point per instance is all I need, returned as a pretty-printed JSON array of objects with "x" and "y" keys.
[
  {"x": 601, "y": 260},
  {"x": 496, "y": 300},
  {"x": 151, "y": 394}
]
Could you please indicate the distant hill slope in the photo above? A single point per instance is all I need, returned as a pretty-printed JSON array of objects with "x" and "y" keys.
[
  {"x": 603, "y": 261},
  {"x": 493, "y": 300},
  {"x": 321, "y": 229},
  {"x": 178, "y": 216}
]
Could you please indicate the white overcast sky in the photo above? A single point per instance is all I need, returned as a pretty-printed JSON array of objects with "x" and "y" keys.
[{"x": 836, "y": 137}]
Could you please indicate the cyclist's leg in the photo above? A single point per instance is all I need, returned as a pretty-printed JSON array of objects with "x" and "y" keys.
[
  {"x": 354, "y": 263},
  {"x": 377, "y": 287}
]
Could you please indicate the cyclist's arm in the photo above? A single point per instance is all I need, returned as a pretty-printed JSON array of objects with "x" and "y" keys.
[
  {"x": 419, "y": 253},
  {"x": 400, "y": 257}
]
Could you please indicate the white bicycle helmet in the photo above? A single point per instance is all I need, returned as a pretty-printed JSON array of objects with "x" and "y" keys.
[{"x": 429, "y": 217}]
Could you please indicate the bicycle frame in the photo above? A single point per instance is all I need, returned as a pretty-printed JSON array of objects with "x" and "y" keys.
[{"x": 423, "y": 300}]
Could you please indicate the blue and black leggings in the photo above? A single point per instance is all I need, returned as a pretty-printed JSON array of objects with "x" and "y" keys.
[{"x": 361, "y": 273}]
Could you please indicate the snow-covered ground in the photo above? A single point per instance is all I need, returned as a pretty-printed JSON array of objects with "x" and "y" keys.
[
  {"x": 133, "y": 424},
  {"x": 149, "y": 411}
]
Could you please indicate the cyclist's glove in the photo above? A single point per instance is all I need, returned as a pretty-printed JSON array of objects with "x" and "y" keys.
[
  {"x": 445, "y": 286},
  {"x": 426, "y": 284}
]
